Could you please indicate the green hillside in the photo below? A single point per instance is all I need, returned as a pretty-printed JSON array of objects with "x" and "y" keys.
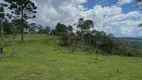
[
  {"x": 40, "y": 57},
  {"x": 132, "y": 42}
]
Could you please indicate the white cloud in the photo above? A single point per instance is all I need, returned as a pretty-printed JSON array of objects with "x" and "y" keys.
[
  {"x": 117, "y": 22},
  {"x": 65, "y": 11},
  {"x": 110, "y": 19},
  {"x": 122, "y": 2}
]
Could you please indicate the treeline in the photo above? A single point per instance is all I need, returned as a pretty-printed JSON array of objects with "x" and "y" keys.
[
  {"x": 88, "y": 39},
  {"x": 28, "y": 28},
  {"x": 83, "y": 36}
]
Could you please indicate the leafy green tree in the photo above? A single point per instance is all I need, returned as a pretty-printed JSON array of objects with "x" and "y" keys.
[
  {"x": 53, "y": 32},
  {"x": 85, "y": 26},
  {"x": 64, "y": 37},
  {"x": 80, "y": 24},
  {"x": 33, "y": 27},
  {"x": 17, "y": 23},
  {"x": 60, "y": 28},
  {"x": 7, "y": 28},
  {"x": 47, "y": 30},
  {"x": 23, "y": 9},
  {"x": 73, "y": 42},
  {"x": 70, "y": 29},
  {"x": 41, "y": 30}
]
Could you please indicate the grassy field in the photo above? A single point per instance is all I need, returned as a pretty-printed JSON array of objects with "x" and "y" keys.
[{"x": 40, "y": 58}]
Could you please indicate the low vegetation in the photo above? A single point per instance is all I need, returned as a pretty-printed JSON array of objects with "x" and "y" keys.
[{"x": 43, "y": 59}]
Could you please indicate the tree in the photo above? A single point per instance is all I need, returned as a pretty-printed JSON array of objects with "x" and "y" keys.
[
  {"x": 2, "y": 17},
  {"x": 13, "y": 39},
  {"x": 23, "y": 9},
  {"x": 88, "y": 24},
  {"x": 85, "y": 26},
  {"x": 53, "y": 32},
  {"x": 47, "y": 30},
  {"x": 70, "y": 29},
  {"x": 80, "y": 26},
  {"x": 61, "y": 28},
  {"x": 16, "y": 23},
  {"x": 80, "y": 23},
  {"x": 7, "y": 28},
  {"x": 33, "y": 27},
  {"x": 41, "y": 30}
]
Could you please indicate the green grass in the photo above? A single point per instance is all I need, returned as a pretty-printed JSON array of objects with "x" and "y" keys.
[{"x": 41, "y": 58}]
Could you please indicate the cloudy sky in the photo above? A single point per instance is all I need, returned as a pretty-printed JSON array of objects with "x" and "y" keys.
[{"x": 119, "y": 17}]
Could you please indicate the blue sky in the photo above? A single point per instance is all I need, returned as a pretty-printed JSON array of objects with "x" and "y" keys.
[{"x": 126, "y": 8}]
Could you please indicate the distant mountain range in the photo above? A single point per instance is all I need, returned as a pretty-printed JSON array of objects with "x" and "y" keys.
[
  {"x": 135, "y": 42},
  {"x": 129, "y": 38}
]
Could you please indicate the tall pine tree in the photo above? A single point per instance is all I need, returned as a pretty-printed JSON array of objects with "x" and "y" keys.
[{"x": 23, "y": 9}]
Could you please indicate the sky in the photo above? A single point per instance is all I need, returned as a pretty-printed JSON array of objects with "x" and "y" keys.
[{"x": 119, "y": 17}]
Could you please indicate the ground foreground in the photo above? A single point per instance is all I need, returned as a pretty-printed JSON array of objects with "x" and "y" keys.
[{"x": 40, "y": 58}]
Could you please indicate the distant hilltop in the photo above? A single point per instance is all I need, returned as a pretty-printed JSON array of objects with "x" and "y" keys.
[{"x": 129, "y": 38}]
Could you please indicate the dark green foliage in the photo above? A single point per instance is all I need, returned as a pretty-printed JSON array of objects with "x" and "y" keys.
[
  {"x": 61, "y": 28},
  {"x": 47, "y": 30},
  {"x": 64, "y": 37},
  {"x": 101, "y": 40},
  {"x": 7, "y": 28},
  {"x": 17, "y": 23},
  {"x": 93, "y": 41},
  {"x": 80, "y": 23},
  {"x": 44, "y": 30},
  {"x": 53, "y": 32},
  {"x": 133, "y": 46},
  {"x": 84, "y": 26},
  {"x": 41, "y": 30},
  {"x": 70, "y": 29}
]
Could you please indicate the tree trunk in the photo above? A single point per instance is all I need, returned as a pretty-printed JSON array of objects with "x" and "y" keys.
[
  {"x": 2, "y": 37},
  {"x": 13, "y": 38},
  {"x": 22, "y": 26},
  {"x": 82, "y": 38},
  {"x": 22, "y": 33},
  {"x": 13, "y": 49}
]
